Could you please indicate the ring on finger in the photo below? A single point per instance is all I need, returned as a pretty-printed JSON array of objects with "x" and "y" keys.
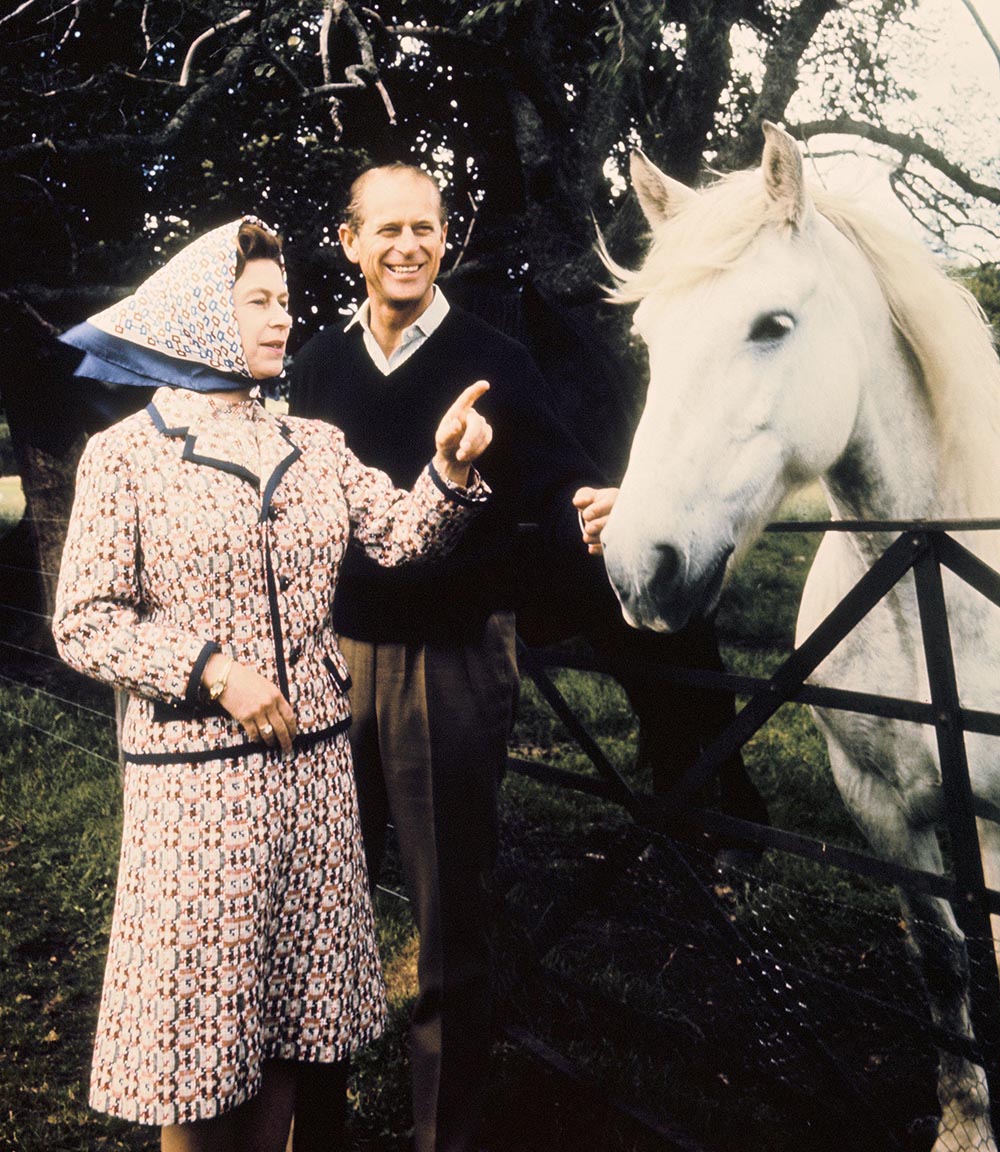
[{"x": 266, "y": 729}]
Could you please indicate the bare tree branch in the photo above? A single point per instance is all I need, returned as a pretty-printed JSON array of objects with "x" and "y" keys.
[
  {"x": 468, "y": 233},
  {"x": 77, "y": 5},
  {"x": 358, "y": 75},
  {"x": 145, "y": 31},
  {"x": 88, "y": 83},
  {"x": 182, "y": 119},
  {"x": 621, "y": 33},
  {"x": 57, "y": 12},
  {"x": 288, "y": 70},
  {"x": 428, "y": 31},
  {"x": 942, "y": 206},
  {"x": 356, "y": 78},
  {"x": 782, "y": 60},
  {"x": 17, "y": 11},
  {"x": 973, "y": 12},
  {"x": 326, "y": 24},
  {"x": 117, "y": 70},
  {"x": 17, "y": 302},
  {"x": 933, "y": 209},
  {"x": 907, "y": 144},
  {"x": 368, "y": 57},
  {"x": 373, "y": 15},
  {"x": 325, "y": 28},
  {"x": 207, "y": 35}
]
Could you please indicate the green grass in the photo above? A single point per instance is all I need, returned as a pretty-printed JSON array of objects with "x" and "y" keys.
[
  {"x": 762, "y": 598},
  {"x": 639, "y": 936},
  {"x": 59, "y": 826}
]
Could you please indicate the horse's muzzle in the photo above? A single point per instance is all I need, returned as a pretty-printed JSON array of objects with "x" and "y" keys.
[{"x": 663, "y": 594}]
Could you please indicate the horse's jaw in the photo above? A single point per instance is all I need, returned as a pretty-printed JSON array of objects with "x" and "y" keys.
[{"x": 660, "y": 592}]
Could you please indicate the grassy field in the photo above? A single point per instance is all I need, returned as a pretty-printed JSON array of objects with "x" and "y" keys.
[{"x": 609, "y": 952}]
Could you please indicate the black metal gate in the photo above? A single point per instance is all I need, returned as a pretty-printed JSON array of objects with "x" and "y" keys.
[{"x": 921, "y": 548}]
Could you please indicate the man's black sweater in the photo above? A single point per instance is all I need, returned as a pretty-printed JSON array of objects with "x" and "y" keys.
[{"x": 533, "y": 466}]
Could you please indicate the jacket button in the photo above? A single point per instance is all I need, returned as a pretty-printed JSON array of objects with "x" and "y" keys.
[
  {"x": 272, "y": 513},
  {"x": 293, "y": 654},
  {"x": 284, "y": 582}
]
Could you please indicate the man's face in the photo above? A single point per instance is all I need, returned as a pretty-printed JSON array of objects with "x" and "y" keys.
[{"x": 400, "y": 242}]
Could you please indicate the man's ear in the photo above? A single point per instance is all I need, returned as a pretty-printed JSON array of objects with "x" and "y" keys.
[{"x": 349, "y": 242}]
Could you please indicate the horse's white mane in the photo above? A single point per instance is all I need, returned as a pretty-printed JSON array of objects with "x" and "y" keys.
[{"x": 939, "y": 320}]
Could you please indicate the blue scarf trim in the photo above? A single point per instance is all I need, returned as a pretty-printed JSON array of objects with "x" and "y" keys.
[{"x": 118, "y": 361}]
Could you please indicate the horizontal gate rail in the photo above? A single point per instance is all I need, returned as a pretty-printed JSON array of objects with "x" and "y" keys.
[{"x": 845, "y": 699}]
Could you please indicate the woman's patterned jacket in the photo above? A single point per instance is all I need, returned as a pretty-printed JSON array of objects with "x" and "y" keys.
[{"x": 176, "y": 550}]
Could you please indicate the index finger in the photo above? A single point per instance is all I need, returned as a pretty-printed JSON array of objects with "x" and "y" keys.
[
  {"x": 470, "y": 396},
  {"x": 286, "y": 713}
]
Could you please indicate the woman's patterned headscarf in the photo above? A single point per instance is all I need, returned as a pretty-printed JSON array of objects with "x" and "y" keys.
[{"x": 178, "y": 328}]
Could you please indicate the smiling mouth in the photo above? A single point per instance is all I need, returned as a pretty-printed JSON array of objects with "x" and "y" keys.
[{"x": 403, "y": 269}]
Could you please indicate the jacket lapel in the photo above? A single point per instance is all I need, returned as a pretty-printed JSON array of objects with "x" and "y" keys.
[
  {"x": 277, "y": 455},
  {"x": 259, "y": 452}
]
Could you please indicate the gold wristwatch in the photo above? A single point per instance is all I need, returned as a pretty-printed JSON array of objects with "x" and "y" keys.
[{"x": 218, "y": 686}]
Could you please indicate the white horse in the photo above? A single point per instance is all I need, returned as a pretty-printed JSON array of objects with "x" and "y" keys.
[{"x": 792, "y": 336}]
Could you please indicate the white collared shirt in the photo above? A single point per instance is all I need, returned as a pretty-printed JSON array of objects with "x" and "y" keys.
[{"x": 413, "y": 336}]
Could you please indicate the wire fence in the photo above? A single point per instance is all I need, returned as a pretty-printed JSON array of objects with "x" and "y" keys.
[{"x": 785, "y": 994}]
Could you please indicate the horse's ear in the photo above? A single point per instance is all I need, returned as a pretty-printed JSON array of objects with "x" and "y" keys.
[
  {"x": 659, "y": 195},
  {"x": 784, "y": 180}
]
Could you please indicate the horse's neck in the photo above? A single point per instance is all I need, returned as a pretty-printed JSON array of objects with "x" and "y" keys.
[{"x": 894, "y": 465}]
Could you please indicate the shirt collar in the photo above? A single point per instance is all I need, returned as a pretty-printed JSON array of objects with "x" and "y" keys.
[{"x": 426, "y": 323}]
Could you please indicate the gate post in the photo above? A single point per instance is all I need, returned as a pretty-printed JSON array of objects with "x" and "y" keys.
[{"x": 971, "y": 907}]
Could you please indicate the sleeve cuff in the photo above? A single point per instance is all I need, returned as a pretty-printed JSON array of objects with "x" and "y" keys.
[
  {"x": 194, "y": 680},
  {"x": 476, "y": 492}
]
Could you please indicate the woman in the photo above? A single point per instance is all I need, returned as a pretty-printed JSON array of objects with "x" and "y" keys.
[{"x": 198, "y": 574}]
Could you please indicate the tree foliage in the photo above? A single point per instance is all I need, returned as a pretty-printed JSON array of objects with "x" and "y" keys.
[
  {"x": 129, "y": 126},
  {"x": 984, "y": 283}
]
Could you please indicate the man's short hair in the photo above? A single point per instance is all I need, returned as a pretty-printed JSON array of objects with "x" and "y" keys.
[{"x": 353, "y": 217}]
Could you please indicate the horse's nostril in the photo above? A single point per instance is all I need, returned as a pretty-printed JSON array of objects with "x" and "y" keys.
[{"x": 666, "y": 569}]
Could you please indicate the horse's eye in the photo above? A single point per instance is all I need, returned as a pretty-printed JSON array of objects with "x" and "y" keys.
[{"x": 771, "y": 328}]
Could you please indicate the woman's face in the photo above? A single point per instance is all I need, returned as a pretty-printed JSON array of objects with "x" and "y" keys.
[{"x": 260, "y": 299}]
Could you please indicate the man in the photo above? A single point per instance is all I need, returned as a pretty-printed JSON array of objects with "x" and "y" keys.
[{"x": 431, "y": 647}]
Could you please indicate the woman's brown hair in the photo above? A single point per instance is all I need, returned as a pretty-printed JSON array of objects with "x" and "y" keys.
[{"x": 255, "y": 243}]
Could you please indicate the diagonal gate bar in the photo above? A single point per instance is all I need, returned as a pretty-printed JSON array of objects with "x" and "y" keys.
[
  {"x": 621, "y": 792},
  {"x": 883, "y": 575},
  {"x": 968, "y": 567}
]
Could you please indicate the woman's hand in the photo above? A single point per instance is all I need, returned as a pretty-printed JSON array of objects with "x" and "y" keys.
[
  {"x": 462, "y": 436},
  {"x": 594, "y": 506},
  {"x": 252, "y": 700}
]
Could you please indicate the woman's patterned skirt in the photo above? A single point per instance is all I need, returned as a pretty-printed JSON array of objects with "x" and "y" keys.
[{"x": 242, "y": 932}]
